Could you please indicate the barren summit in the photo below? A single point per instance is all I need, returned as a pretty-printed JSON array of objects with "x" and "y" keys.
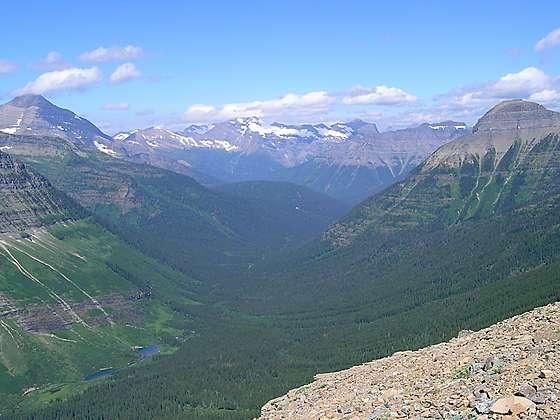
[
  {"x": 517, "y": 114},
  {"x": 497, "y": 131}
]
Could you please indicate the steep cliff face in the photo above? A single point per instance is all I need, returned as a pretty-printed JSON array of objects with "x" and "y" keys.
[
  {"x": 26, "y": 198},
  {"x": 509, "y": 370}
]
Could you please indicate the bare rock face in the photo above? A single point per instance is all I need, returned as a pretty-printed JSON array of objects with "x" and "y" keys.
[
  {"x": 517, "y": 115},
  {"x": 495, "y": 373},
  {"x": 498, "y": 130},
  {"x": 26, "y": 198},
  {"x": 33, "y": 115}
]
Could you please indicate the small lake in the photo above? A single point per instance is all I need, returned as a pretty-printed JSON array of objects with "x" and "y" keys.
[
  {"x": 101, "y": 373},
  {"x": 106, "y": 372},
  {"x": 147, "y": 351}
]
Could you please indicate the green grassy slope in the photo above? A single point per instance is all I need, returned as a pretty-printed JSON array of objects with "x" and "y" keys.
[
  {"x": 476, "y": 188},
  {"x": 93, "y": 281}
]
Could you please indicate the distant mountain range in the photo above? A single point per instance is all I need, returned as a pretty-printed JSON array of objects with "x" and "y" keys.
[
  {"x": 198, "y": 229},
  {"x": 484, "y": 196},
  {"x": 348, "y": 161}
]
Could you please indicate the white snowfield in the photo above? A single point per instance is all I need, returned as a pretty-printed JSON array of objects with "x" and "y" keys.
[{"x": 104, "y": 149}]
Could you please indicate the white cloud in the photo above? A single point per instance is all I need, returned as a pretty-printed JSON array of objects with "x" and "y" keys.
[
  {"x": 52, "y": 61},
  {"x": 116, "y": 53},
  {"x": 288, "y": 105},
  {"x": 520, "y": 84},
  {"x": 470, "y": 102},
  {"x": 552, "y": 39},
  {"x": 7, "y": 67},
  {"x": 200, "y": 112},
  {"x": 379, "y": 95},
  {"x": 68, "y": 79},
  {"x": 547, "y": 96},
  {"x": 123, "y": 106},
  {"x": 124, "y": 72}
]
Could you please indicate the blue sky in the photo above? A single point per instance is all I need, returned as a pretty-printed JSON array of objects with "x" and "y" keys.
[{"x": 395, "y": 63}]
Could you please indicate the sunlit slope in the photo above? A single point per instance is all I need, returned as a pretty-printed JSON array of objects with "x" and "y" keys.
[{"x": 75, "y": 299}]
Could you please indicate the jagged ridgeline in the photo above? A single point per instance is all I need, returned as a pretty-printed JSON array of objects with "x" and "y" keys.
[{"x": 28, "y": 199}]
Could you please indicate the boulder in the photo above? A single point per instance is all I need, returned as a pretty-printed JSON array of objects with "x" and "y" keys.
[{"x": 512, "y": 405}]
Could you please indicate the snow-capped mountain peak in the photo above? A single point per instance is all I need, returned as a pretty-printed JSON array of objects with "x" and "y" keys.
[{"x": 35, "y": 116}]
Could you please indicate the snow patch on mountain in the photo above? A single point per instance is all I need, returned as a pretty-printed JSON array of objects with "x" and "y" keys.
[
  {"x": 329, "y": 132},
  {"x": 121, "y": 136},
  {"x": 104, "y": 149},
  {"x": 218, "y": 144},
  {"x": 9, "y": 130}
]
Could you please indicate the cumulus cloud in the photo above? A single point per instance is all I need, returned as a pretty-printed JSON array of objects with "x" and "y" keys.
[
  {"x": 470, "y": 102},
  {"x": 288, "y": 105},
  {"x": 552, "y": 39},
  {"x": 124, "y": 72},
  {"x": 7, "y": 67},
  {"x": 379, "y": 95},
  {"x": 116, "y": 53},
  {"x": 200, "y": 112},
  {"x": 522, "y": 84},
  {"x": 519, "y": 84},
  {"x": 547, "y": 96},
  {"x": 68, "y": 79},
  {"x": 123, "y": 106},
  {"x": 52, "y": 61}
]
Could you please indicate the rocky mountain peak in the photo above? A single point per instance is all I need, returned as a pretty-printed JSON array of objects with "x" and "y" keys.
[
  {"x": 33, "y": 115},
  {"x": 26, "y": 101},
  {"x": 517, "y": 114},
  {"x": 507, "y": 123}
]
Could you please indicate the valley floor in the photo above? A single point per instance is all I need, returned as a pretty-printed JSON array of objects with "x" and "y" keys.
[{"x": 509, "y": 370}]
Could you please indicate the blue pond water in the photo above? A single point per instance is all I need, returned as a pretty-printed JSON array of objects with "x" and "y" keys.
[
  {"x": 102, "y": 373},
  {"x": 148, "y": 351}
]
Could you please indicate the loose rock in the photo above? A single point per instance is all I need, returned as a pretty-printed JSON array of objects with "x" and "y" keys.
[{"x": 502, "y": 372}]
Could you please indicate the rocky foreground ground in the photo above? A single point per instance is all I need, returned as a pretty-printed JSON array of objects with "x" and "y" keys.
[{"x": 507, "y": 371}]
